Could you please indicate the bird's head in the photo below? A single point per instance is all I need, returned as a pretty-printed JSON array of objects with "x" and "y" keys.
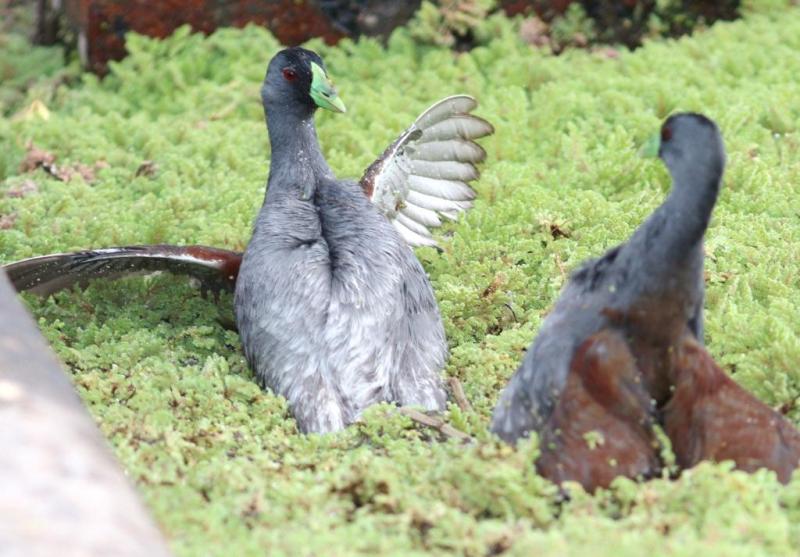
[
  {"x": 296, "y": 81},
  {"x": 691, "y": 146}
]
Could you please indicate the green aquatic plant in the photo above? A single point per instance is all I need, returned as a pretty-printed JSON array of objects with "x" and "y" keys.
[{"x": 180, "y": 133}]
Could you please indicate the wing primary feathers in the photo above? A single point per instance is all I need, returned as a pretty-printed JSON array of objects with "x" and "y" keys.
[
  {"x": 446, "y": 189},
  {"x": 444, "y": 109},
  {"x": 422, "y": 217},
  {"x": 463, "y": 127},
  {"x": 413, "y": 225},
  {"x": 425, "y": 173},
  {"x": 412, "y": 238},
  {"x": 451, "y": 149},
  {"x": 216, "y": 268},
  {"x": 445, "y": 170},
  {"x": 436, "y": 203}
]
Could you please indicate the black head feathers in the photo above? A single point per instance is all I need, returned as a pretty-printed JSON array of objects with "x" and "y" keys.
[{"x": 297, "y": 81}]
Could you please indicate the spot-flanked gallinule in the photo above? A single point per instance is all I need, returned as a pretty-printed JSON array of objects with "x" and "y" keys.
[{"x": 334, "y": 310}]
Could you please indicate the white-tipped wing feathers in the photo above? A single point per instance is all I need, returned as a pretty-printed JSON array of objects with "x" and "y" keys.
[{"x": 425, "y": 173}]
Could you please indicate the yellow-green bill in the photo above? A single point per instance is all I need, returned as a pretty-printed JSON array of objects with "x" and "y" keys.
[
  {"x": 651, "y": 146},
  {"x": 323, "y": 92}
]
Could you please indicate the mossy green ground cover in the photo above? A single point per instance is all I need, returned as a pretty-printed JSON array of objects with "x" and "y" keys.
[{"x": 220, "y": 462}]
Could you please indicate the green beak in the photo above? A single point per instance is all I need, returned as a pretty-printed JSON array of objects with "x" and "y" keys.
[
  {"x": 651, "y": 146},
  {"x": 322, "y": 90}
]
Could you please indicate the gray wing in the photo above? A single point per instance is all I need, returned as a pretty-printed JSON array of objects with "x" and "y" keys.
[
  {"x": 424, "y": 175},
  {"x": 215, "y": 268},
  {"x": 530, "y": 396}
]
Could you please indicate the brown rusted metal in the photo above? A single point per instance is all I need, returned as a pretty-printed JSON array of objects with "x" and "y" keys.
[
  {"x": 101, "y": 24},
  {"x": 62, "y": 492}
]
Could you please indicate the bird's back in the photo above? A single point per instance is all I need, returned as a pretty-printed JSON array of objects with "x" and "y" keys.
[
  {"x": 609, "y": 291},
  {"x": 385, "y": 330},
  {"x": 528, "y": 399},
  {"x": 345, "y": 315}
]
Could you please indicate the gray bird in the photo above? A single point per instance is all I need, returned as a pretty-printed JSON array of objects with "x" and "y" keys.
[
  {"x": 350, "y": 319},
  {"x": 334, "y": 310},
  {"x": 650, "y": 288}
]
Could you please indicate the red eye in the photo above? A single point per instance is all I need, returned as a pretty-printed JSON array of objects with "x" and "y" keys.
[
  {"x": 289, "y": 74},
  {"x": 666, "y": 134}
]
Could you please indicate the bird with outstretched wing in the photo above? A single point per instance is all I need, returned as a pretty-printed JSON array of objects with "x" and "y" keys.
[{"x": 422, "y": 177}]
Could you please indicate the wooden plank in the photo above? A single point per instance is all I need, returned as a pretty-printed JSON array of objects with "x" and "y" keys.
[{"x": 62, "y": 492}]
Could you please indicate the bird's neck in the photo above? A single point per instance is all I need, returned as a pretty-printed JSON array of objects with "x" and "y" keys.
[
  {"x": 297, "y": 161},
  {"x": 687, "y": 212},
  {"x": 670, "y": 243}
]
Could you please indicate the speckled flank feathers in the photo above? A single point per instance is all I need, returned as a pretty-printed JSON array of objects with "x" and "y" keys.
[
  {"x": 711, "y": 417},
  {"x": 601, "y": 426}
]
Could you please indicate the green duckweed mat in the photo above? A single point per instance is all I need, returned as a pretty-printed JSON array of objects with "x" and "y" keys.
[{"x": 220, "y": 462}]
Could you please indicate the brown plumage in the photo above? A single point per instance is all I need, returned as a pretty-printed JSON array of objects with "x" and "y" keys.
[
  {"x": 601, "y": 426},
  {"x": 710, "y": 417},
  {"x": 653, "y": 328}
]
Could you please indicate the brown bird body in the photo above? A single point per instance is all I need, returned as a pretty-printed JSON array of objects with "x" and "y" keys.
[
  {"x": 710, "y": 417},
  {"x": 601, "y": 359},
  {"x": 601, "y": 426},
  {"x": 653, "y": 328},
  {"x": 646, "y": 287}
]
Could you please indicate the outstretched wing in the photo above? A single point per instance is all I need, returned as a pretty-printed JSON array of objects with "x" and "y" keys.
[
  {"x": 215, "y": 268},
  {"x": 424, "y": 175}
]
